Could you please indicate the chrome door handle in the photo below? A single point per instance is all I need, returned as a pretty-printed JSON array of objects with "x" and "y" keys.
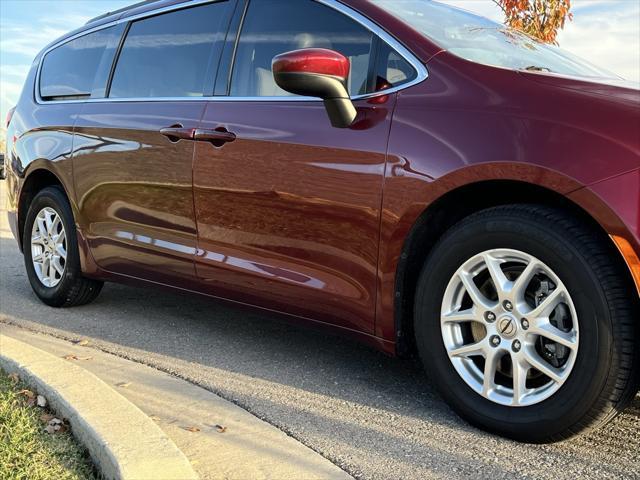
[
  {"x": 218, "y": 137},
  {"x": 177, "y": 132}
]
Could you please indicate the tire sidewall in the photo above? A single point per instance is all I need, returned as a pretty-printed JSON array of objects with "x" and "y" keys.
[
  {"x": 590, "y": 372},
  {"x": 54, "y": 198}
]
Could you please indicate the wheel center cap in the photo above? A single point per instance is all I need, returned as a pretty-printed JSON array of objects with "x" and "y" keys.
[{"x": 507, "y": 326}]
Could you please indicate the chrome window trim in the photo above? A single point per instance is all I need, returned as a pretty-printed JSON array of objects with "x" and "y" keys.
[{"x": 421, "y": 69}]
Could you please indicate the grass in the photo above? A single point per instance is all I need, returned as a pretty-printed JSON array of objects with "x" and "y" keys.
[{"x": 27, "y": 452}]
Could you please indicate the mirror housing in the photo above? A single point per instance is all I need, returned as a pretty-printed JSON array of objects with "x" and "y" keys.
[{"x": 318, "y": 72}]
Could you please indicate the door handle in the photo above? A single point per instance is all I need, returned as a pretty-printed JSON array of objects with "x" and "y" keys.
[
  {"x": 218, "y": 137},
  {"x": 177, "y": 132}
]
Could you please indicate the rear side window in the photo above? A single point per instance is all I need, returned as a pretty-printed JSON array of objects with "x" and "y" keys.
[
  {"x": 172, "y": 55},
  {"x": 80, "y": 68}
]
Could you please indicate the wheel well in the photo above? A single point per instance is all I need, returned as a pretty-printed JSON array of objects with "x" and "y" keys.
[
  {"x": 443, "y": 214},
  {"x": 35, "y": 182}
]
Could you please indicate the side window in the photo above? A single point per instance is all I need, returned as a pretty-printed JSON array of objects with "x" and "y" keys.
[
  {"x": 391, "y": 69},
  {"x": 171, "y": 55},
  {"x": 80, "y": 68},
  {"x": 272, "y": 27}
]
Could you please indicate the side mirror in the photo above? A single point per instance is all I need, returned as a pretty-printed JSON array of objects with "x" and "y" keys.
[{"x": 318, "y": 72}]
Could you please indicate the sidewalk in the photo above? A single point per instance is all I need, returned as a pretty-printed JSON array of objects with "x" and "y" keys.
[{"x": 220, "y": 439}]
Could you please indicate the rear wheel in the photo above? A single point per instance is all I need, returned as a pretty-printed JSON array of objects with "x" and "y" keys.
[
  {"x": 51, "y": 252},
  {"x": 526, "y": 325}
]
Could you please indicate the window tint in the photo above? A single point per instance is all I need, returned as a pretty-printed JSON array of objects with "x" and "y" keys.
[
  {"x": 272, "y": 27},
  {"x": 80, "y": 68},
  {"x": 171, "y": 55}
]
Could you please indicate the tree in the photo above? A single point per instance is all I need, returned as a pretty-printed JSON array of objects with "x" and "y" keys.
[{"x": 541, "y": 19}]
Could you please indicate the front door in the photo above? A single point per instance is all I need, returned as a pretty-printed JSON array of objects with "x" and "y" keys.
[
  {"x": 288, "y": 211},
  {"x": 133, "y": 154}
]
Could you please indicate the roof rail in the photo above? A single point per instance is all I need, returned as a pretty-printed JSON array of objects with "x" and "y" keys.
[{"x": 120, "y": 10}]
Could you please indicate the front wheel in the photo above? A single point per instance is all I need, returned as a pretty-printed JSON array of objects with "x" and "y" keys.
[{"x": 526, "y": 323}]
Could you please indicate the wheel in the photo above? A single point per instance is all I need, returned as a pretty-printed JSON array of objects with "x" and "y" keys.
[
  {"x": 526, "y": 325},
  {"x": 51, "y": 252}
]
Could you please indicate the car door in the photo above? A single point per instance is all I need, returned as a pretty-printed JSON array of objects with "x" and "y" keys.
[
  {"x": 287, "y": 207},
  {"x": 133, "y": 153}
]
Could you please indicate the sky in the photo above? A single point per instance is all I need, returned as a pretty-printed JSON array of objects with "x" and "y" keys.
[{"x": 605, "y": 32}]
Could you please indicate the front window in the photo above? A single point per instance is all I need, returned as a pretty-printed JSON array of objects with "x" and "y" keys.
[
  {"x": 481, "y": 40},
  {"x": 272, "y": 27}
]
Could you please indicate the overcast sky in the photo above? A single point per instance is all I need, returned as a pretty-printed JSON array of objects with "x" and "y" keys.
[{"x": 606, "y": 32}]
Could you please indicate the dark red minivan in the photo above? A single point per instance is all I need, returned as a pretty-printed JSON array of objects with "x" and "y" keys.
[{"x": 398, "y": 170}]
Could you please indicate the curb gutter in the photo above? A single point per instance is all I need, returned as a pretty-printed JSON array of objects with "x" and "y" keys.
[{"x": 123, "y": 442}]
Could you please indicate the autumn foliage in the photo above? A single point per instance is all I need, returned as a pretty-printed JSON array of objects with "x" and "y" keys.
[{"x": 541, "y": 19}]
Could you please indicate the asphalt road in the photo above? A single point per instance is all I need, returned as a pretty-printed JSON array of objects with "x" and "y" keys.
[{"x": 376, "y": 417}]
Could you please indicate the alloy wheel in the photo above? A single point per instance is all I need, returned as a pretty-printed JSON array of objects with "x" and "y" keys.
[
  {"x": 510, "y": 327},
  {"x": 48, "y": 247}
]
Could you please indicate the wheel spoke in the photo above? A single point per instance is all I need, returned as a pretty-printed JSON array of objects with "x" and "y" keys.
[
  {"x": 500, "y": 280},
  {"x": 491, "y": 360},
  {"x": 60, "y": 251},
  {"x": 44, "y": 270},
  {"x": 549, "y": 304},
  {"x": 546, "y": 329},
  {"x": 519, "y": 380},
  {"x": 474, "y": 292},
  {"x": 57, "y": 265},
  {"x": 51, "y": 271},
  {"x": 542, "y": 366},
  {"x": 522, "y": 282},
  {"x": 38, "y": 258},
  {"x": 471, "y": 349},
  {"x": 460, "y": 316},
  {"x": 48, "y": 221},
  {"x": 42, "y": 227},
  {"x": 54, "y": 226},
  {"x": 37, "y": 240}
]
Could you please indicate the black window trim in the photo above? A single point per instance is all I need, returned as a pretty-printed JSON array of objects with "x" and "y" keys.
[
  {"x": 116, "y": 57},
  {"x": 421, "y": 69}
]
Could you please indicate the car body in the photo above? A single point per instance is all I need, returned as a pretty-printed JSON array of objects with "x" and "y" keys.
[{"x": 277, "y": 209}]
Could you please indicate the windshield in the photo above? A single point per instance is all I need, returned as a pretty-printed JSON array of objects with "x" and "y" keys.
[{"x": 481, "y": 40}]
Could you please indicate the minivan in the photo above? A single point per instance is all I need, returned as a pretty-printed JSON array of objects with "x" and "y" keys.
[{"x": 400, "y": 171}]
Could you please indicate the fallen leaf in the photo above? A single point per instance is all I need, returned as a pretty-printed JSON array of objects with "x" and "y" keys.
[
  {"x": 221, "y": 428},
  {"x": 31, "y": 402},
  {"x": 82, "y": 343},
  {"x": 41, "y": 401},
  {"x": 75, "y": 357},
  {"x": 27, "y": 393},
  {"x": 191, "y": 429},
  {"x": 46, "y": 417},
  {"x": 123, "y": 384},
  {"x": 14, "y": 377}
]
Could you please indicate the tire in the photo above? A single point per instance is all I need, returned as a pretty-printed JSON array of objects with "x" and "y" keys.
[
  {"x": 69, "y": 288},
  {"x": 594, "y": 375}
]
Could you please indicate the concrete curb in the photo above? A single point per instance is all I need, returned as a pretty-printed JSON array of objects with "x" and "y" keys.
[{"x": 122, "y": 441}]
